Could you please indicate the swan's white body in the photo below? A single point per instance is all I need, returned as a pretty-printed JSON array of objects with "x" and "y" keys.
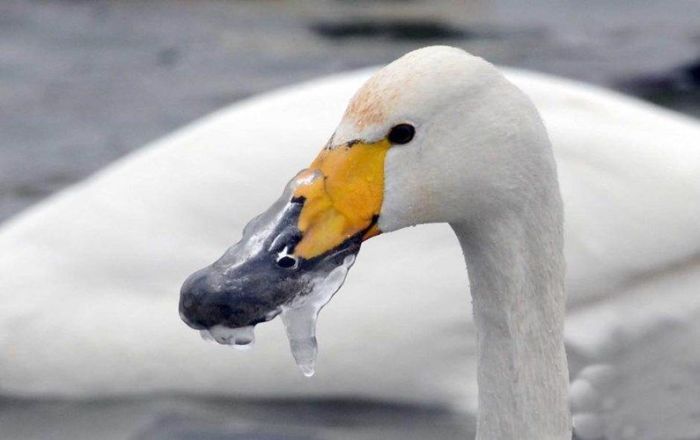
[{"x": 89, "y": 278}]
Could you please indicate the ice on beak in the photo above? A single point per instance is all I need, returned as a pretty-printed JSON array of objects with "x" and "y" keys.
[
  {"x": 250, "y": 284},
  {"x": 300, "y": 316}
]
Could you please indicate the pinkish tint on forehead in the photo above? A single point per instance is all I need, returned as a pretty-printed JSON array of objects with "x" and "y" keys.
[{"x": 373, "y": 102}]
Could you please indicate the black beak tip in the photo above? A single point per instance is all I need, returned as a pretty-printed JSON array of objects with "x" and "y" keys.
[
  {"x": 193, "y": 291},
  {"x": 203, "y": 305}
]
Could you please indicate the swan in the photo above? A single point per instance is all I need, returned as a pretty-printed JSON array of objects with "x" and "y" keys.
[
  {"x": 89, "y": 278},
  {"x": 436, "y": 136}
]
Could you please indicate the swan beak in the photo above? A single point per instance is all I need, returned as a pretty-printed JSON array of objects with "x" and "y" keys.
[
  {"x": 346, "y": 201},
  {"x": 320, "y": 220}
]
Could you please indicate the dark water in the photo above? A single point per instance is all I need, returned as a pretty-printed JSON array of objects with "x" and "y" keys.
[
  {"x": 173, "y": 418},
  {"x": 85, "y": 82}
]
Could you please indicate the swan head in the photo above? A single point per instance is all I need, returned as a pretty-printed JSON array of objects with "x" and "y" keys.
[{"x": 436, "y": 136}]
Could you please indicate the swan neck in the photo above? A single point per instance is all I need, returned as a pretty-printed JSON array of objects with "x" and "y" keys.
[{"x": 516, "y": 271}]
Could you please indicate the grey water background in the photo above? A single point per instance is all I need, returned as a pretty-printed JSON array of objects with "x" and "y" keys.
[{"x": 82, "y": 83}]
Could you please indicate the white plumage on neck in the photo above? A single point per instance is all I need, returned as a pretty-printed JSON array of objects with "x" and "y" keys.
[
  {"x": 516, "y": 275},
  {"x": 516, "y": 270}
]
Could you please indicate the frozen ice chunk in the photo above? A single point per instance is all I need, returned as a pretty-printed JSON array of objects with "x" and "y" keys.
[
  {"x": 301, "y": 315},
  {"x": 241, "y": 337}
]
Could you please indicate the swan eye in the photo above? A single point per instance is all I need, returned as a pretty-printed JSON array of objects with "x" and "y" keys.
[
  {"x": 287, "y": 262},
  {"x": 401, "y": 134}
]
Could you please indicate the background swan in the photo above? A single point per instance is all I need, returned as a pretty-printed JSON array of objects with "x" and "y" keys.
[{"x": 110, "y": 326}]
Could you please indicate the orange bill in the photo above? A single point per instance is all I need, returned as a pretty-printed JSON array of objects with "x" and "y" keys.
[{"x": 346, "y": 201}]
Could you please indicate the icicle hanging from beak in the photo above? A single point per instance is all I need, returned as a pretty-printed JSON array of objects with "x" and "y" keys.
[{"x": 300, "y": 317}]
